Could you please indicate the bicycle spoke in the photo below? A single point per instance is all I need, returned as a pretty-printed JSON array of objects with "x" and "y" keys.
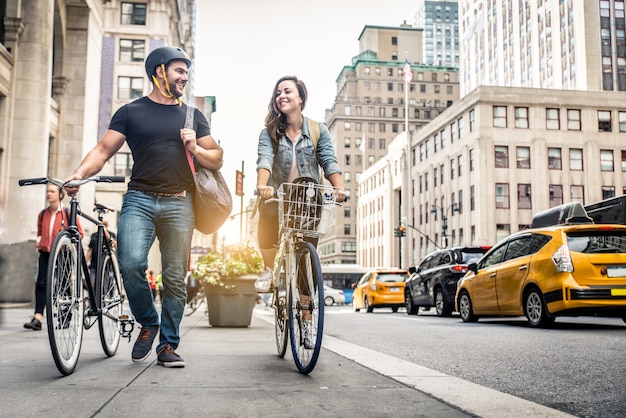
[{"x": 111, "y": 305}]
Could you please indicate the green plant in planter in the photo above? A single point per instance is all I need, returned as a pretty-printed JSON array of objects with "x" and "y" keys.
[{"x": 238, "y": 260}]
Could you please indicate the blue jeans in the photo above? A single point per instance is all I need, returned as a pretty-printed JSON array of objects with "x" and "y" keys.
[{"x": 143, "y": 218}]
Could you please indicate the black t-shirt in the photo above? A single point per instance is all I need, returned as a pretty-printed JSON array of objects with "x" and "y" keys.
[
  {"x": 152, "y": 132},
  {"x": 93, "y": 241}
]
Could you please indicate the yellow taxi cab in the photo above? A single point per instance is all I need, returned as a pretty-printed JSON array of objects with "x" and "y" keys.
[
  {"x": 382, "y": 288},
  {"x": 574, "y": 268}
]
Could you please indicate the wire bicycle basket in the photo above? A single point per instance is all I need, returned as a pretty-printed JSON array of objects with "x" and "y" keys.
[{"x": 306, "y": 207}]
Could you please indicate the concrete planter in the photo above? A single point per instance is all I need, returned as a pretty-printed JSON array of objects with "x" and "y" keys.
[{"x": 231, "y": 307}]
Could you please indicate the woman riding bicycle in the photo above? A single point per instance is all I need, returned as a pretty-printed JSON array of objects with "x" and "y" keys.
[{"x": 286, "y": 151}]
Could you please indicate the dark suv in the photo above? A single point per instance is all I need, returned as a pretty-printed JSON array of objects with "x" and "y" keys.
[{"x": 433, "y": 282}]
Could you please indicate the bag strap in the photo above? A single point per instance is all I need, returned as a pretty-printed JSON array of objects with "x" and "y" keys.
[
  {"x": 314, "y": 131},
  {"x": 189, "y": 125}
]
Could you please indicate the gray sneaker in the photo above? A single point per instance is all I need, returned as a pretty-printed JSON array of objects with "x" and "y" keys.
[
  {"x": 264, "y": 283},
  {"x": 143, "y": 345},
  {"x": 167, "y": 357},
  {"x": 309, "y": 335}
]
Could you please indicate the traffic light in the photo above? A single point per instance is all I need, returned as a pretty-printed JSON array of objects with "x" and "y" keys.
[{"x": 401, "y": 231}]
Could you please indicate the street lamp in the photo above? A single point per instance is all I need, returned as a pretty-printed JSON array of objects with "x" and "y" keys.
[{"x": 444, "y": 219}]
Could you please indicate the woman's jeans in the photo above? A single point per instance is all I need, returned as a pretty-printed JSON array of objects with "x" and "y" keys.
[{"x": 143, "y": 218}]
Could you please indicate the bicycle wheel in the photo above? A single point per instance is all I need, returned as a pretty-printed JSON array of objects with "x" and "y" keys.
[
  {"x": 64, "y": 309},
  {"x": 195, "y": 303},
  {"x": 111, "y": 304},
  {"x": 306, "y": 313},
  {"x": 281, "y": 320}
]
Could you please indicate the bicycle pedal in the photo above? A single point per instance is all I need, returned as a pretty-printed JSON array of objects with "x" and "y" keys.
[{"x": 127, "y": 326}]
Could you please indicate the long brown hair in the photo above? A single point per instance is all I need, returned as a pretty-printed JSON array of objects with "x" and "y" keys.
[{"x": 275, "y": 121}]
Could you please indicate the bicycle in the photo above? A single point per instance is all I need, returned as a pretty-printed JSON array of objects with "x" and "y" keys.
[
  {"x": 68, "y": 312},
  {"x": 305, "y": 211},
  {"x": 197, "y": 300}
]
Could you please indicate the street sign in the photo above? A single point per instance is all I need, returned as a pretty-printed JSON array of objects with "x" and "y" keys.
[{"x": 239, "y": 184}]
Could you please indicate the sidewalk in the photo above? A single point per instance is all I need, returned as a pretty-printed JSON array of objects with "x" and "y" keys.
[{"x": 230, "y": 372}]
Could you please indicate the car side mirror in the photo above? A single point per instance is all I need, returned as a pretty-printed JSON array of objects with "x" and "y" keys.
[
  {"x": 473, "y": 267},
  {"x": 412, "y": 269}
]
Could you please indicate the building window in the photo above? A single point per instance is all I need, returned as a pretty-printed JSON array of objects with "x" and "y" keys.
[
  {"x": 346, "y": 229},
  {"x": 460, "y": 165},
  {"x": 578, "y": 194},
  {"x": 452, "y": 163},
  {"x": 435, "y": 177},
  {"x": 123, "y": 164},
  {"x": 623, "y": 161},
  {"x": 460, "y": 123},
  {"x": 129, "y": 88},
  {"x": 573, "y": 119},
  {"x": 576, "y": 159},
  {"x": 347, "y": 177},
  {"x": 472, "y": 197},
  {"x": 346, "y": 211},
  {"x": 347, "y": 159},
  {"x": 608, "y": 192},
  {"x": 499, "y": 116},
  {"x": 606, "y": 160},
  {"x": 502, "y": 156},
  {"x": 604, "y": 121},
  {"x": 554, "y": 159},
  {"x": 502, "y": 231},
  {"x": 523, "y": 196},
  {"x": 347, "y": 126},
  {"x": 502, "y": 195},
  {"x": 132, "y": 50},
  {"x": 472, "y": 118},
  {"x": 523, "y": 157},
  {"x": 460, "y": 204},
  {"x": 347, "y": 143},
  {"x": 556, "y": 195},
  {"x": 381, "y": 127},
  {"x": 382, "y": 143},
  {"x": 622, "y": 121},
  {"x": 133, "y": 14},
  {"x": 552, "y": 119},
  {"x": 521, "y": 117},
  {"x": 471, "y": 159},
  {"x": 452, "y": 132}
]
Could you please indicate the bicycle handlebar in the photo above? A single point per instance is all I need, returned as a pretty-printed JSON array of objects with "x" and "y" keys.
[{"x": 71, "y": 183}]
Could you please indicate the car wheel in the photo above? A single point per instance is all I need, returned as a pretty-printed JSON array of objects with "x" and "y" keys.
[
  {"x": 440, "y": 304},
  {"x": 394, "y": 309},
  {"x": 535, "y": 309},
  {"x": 368, "y": 308},
  {"x": 329, "y": 301},
  {"x": 465, "y": 308},
  {"x": 411, "y": 309}
]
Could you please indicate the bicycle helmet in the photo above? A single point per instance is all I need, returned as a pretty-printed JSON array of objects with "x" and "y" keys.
[{"x": 164, "y": 55}]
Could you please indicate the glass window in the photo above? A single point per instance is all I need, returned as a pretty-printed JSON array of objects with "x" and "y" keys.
[
  {"x": 129, "y": 88},
  {"x": 524, "y": 196},
  {"x": 132, "y": 50},
  {"x": 622, "y": 121},
  {"x": 623, "y": 160},
  {"x": 604, "y": 121},
  {"x": 556, "y": 195},
  {"x": 472, "y": 118},
  {"x": 573, "y": 119},
  {"x": 575, "y": 159},
  {"x": 554, "y": 158},
  {"x": 499, "y": 116},
  {"x": 578, "y": 193},
  {"x": 606, "y": 160},
  {"x": 523, "y": 157},
  {"x": 521, "y": 117},
  {"x": 552, "y": 119},
  {"x": 502, "y": 196},
  {"x": 133, "y": 14},
  {"x": 502, "y": 156},
  {"x": 123, "y": 162}
]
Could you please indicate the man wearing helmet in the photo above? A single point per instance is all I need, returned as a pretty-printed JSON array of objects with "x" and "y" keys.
[{"x": 158, "y": 202}]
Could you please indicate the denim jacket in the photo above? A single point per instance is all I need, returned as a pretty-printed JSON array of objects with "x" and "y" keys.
[{"x": 279, "y": 165}]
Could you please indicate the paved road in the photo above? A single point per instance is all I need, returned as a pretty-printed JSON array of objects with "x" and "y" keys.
[{"x": 233, "y": 372}]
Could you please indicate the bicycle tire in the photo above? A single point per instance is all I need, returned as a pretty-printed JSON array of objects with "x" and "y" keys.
[
  {"x": 64, "y": 309},
  {"x": 306, "y": 296},
  {"x": 195, "y": 303},
  {"x": 111, "y": 303},
  {"x": 281, "y": 321}
]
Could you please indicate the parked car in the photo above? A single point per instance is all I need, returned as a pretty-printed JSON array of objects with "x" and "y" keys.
[
  {"x": 545, "y": 272},
  {"x": 333, "y": 296},
  {"x": 433, "y": 282},
  {"x": 382, "y": 288}
]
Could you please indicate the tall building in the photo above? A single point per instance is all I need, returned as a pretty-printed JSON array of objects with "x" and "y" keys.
[
  {"x": 440, "y": 22},
  {"x": 370, "y": 109},
  {"x": 65, "y": 67},
  {"x": 568, "y": 44}
]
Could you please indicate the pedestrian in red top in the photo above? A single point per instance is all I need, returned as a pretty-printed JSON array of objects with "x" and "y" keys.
[{"x": 50, "y": 221}]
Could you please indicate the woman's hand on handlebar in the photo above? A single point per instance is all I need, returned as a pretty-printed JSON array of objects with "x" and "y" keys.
[{"x": 266, "y": 192}]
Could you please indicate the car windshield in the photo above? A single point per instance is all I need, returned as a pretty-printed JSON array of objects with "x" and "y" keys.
[
  {"x": 471, "y": 257},
  {"x": 391, "y": 277},
  {"x": 597, "y": 242}
]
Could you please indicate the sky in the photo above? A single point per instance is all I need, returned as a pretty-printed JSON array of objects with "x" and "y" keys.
[{"x": 244, "y": 46}]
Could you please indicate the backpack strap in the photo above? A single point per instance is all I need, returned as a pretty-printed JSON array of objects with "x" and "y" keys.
[{"x": 314, "y": 131}]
